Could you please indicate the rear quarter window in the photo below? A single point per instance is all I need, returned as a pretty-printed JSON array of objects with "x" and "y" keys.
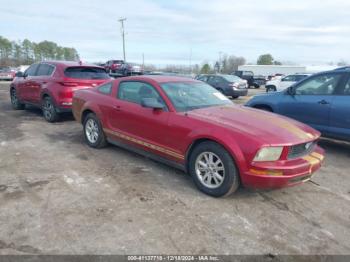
[
  {"x": 106, "y": 88},
  {"x": 86, "y": 73}
]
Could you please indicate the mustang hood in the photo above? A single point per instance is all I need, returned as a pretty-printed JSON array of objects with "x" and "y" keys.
[{"x": 265, "y": 126}]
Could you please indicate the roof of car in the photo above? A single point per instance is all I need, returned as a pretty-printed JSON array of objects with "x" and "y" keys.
[
  {"x": 162, "y": 79},
  {"x": 69, "y": 63}
]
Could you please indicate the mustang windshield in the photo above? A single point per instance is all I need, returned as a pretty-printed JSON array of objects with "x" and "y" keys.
[{"x": 187, "y": 96}]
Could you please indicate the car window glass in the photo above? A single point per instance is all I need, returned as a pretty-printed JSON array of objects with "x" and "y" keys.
[
  {"x": 346, "y": 90},
  {"x": 319, "y": 85},
  {"x": 203, "y": 78},
  {"x": 248, "y": 73},
  {"x": 134, "y": 92},
  {"x": 211, "y": 79},
  {"x": 288, "y": 78},
  {"x": 299, "y": 77},
  {"x": 31, "y": 71},
  {"x": 86, "y": 72},
  {"x": 106, "y": 88},
  {"x": 45, "y": 70}
]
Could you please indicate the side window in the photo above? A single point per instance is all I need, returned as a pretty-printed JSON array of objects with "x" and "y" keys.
[
  {"x": 319, "y": 85},
  {"x": 106, "y": 88},
  {"x": 45, "y": 70},
  {"x": 135, "y": 91},
  {"x": 211, "y": 80},
  {"x": 219, "y": 80},
  {"x": 346, "y": 90},
  {"x": 203, "y": 78},
  {"x": 288, "y": 78},
  {"x": 31, "y": 71},
  {"x": 299, "y": 77}
]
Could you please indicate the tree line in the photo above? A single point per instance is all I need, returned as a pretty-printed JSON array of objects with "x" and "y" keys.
[{"x": 26, "y": 52}]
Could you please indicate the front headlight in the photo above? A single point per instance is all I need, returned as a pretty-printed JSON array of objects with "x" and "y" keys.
[{"x": 269, "y": 154}]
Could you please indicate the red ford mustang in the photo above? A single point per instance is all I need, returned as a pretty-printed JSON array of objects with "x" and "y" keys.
[{"x": 190, "y": 125}]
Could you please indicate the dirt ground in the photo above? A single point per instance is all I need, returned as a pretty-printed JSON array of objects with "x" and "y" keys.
[{"x": 58, "y": 196}]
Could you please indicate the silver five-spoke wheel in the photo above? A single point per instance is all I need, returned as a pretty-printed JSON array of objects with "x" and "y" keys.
[
  {"x": 210, "y": 170},
  {"x": 92, "y": 130}
]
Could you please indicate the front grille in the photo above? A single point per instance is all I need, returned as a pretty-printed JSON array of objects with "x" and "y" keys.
[{"x": 300, "y": 150}]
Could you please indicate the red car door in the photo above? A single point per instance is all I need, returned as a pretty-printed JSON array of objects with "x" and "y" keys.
[
  {"x": 25, "y": 85},
  {"x": 41, "y": 80},
  {"x": 139, "y": 125}
]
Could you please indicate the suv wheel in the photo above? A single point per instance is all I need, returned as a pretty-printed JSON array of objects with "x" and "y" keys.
[
  {"x": 49, "y": 110},
  {"x": 213, "y": 170},
  {"x": 270, "y": 89},
  {"x": 93, "y": 132},
  {"x": 16, "y": 104}
]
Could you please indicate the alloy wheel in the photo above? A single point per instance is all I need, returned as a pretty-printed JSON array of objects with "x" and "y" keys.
[
  {"x": 92, "y": 131},
  {"x": 210, "y": 170}
]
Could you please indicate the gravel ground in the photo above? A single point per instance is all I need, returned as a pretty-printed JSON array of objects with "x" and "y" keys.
[{"x": 58, "y": 196}]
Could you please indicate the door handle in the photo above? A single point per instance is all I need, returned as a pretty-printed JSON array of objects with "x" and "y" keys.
[{"x": 323, "y": 102}]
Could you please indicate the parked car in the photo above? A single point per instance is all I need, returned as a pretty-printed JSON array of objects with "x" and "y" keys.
[
  {"x": 256, "y": 82},
  {"x": 280, "y": 84},
  {"x": 50, "y": 86},
  {"x": 190, "y": 125},
  {"x": 7, "y": 73},
  {"x": 112, "y": 66},
  {"x": 229, "y": 85},
  {"x": 321, "y": 101},
  {"x": 128, "y": 69}
]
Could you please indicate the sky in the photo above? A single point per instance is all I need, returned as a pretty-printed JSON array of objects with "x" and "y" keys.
[{"x": 182, "y": 32}]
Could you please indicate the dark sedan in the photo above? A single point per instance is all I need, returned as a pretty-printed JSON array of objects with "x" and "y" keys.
[{"x": 229, "y": 85}]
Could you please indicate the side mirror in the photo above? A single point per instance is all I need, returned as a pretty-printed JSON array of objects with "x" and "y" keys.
[
  {"x": 19, "y": 74},
  {"x": 151, "y": 103}
]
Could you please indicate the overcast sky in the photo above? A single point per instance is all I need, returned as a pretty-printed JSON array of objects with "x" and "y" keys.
[{"x": 300, "y": 31}]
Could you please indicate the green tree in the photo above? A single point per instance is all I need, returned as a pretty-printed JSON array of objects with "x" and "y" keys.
[
  {"x": 205, "y": 69},
  {"x": 27, "y": 52},
  {"x": 265, "y": 59}
]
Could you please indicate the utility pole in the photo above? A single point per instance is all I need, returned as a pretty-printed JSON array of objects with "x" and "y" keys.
[
  {"x": 191, "y": 60},
  {"x": 121, "y": 20},
  {"x": 143, "y": 61}
]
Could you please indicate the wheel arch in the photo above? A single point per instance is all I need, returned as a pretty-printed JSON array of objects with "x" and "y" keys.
[
  {"x": 233, "y": 149},
  {"x": 263, "y": 107},
  {"x": 84, "y": 114}
]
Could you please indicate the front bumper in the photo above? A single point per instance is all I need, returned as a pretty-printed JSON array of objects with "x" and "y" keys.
[{"x": 270, "y": 175}]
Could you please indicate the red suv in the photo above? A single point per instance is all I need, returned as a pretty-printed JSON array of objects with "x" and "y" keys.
[
  {"x": 50, "y": 86},
  {"x": 112, "y": 66}
]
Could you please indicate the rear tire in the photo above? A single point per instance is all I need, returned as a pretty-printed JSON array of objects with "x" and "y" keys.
[
  {"x": 16, "y": 104},
  {"x": 49, "y": 110},
  {"x": 213, "y": 170},
  {"x": 93, "y": 132}
]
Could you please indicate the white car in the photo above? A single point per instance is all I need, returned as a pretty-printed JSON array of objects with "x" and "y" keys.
[{"x": 284, "y": 82}]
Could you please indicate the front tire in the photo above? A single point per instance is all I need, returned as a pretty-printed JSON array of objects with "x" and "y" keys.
[
  {"x": 93, "y": 132},
  {"x": 16, "y": 104},
  {"x": 271, "y": 89},
  {"x": 49, "y": 110},
  {"x": 213, "y": 170}
]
